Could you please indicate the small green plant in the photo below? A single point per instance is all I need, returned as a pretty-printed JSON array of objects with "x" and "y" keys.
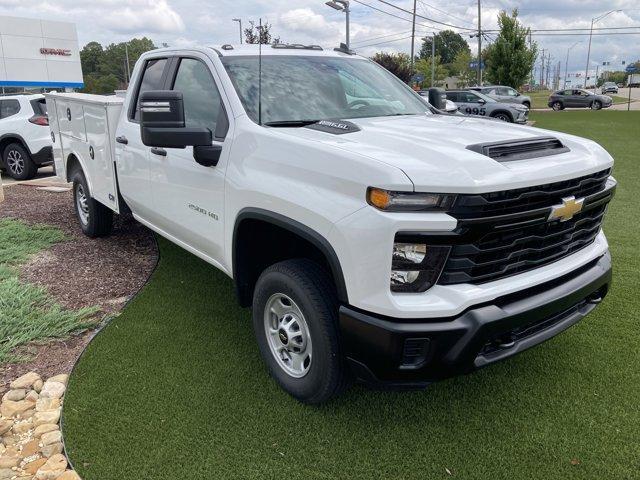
[{"x": 27, "y": 313}]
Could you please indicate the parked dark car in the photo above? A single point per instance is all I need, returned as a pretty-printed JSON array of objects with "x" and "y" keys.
[
  {"x": 504, "y": 94},
  {"x": 609, "y": 87},
  {"x": 578, "y": 98}
]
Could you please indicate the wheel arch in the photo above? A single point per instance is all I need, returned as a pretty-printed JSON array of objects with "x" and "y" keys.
[
  {"x": 9, "y": 138},
  {"x": 255, "y": 225}
]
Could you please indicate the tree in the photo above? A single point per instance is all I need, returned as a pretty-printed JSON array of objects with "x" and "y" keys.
[
  {"x": 460, "y": 69},
  {"x": 259, "y": 34},
  {"x": 509, "y": 60},
  {"x": 423, "y": 67},
  {"x": 397, "y": 63},
  {"x": 448, "y": 45},
  {"x": 90, "y": 57}
]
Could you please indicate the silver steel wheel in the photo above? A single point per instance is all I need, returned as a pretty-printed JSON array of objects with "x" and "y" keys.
[
  {"x": 596, "y": 105},
  {"x": 82, "y": 204},
  {"x": 288, "y": 335},
  {"x": 15, "y": 162},
  {"x": 503, "y": 116}
]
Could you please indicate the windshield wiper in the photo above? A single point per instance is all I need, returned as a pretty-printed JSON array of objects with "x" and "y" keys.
[{"x": 290, "y": 123}]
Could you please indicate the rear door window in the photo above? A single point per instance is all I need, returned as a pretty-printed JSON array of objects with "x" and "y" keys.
[
  {"x": 9, "y": 108},
  {"x": 152, "y": 79},
  {"x": 39, "y": 106}
]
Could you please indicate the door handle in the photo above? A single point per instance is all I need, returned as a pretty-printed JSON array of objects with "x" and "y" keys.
[
  {"x": 122, "y": 139},
  {"x": 159, "y": 151}
]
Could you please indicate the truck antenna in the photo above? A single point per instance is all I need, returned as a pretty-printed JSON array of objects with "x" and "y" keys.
[{"x": 260, "y": 73}]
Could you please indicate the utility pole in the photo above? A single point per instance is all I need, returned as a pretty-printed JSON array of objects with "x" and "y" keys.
[
  {"x": 593, "y": 20},
  {"x": 542, "y": 69},
  {"x": 239, "y": 20},
  {"x": 479, "y": 43},
  {"x": 433, "y": 59},
  {"x": 126, "y": 53},
  {"x": 413, "y": 35}
]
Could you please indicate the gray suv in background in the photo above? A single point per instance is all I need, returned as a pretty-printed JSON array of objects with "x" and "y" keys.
[
  {"x": 578, "y": 98},
  {"x": 504, "y": 94},
  {"x": 471, "y": 102}
]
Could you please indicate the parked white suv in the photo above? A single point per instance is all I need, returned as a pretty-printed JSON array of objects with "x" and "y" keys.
[
  {"x": 373, "y": 236},
  {"x": 25, "y": 139}
]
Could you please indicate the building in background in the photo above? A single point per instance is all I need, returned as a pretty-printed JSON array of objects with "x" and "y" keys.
[{"x": 38, "y": 55}]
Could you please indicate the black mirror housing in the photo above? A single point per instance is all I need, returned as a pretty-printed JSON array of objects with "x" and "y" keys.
[{"x": 162, "y": 122}]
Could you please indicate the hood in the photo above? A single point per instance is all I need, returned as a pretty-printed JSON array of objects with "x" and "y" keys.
[{"x": 432, "y": 151}]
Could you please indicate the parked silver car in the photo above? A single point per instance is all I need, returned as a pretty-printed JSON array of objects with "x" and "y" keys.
[
  {"x": 609, "y": 87},
  {"x": 504, "y": 94},
  {"x": 471, "y": 102}
]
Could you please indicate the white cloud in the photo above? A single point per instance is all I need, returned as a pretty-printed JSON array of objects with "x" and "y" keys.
[{"x": 142, "y": 16}]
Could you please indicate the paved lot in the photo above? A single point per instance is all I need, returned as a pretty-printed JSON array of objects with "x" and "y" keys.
[{"x": 43, "y": 173}]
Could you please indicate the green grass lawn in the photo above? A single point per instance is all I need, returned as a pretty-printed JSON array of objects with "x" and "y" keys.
[
  {"x": 27, "y": 312},
  {"x": 541, "y": 99},
  {"x": 174, "y": 387}
]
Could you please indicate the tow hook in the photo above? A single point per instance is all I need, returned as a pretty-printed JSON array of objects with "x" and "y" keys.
[{"x": 507, "y": 342}]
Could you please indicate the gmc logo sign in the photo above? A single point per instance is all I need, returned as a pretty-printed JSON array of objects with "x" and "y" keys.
[{"x": 55, "y": 51}]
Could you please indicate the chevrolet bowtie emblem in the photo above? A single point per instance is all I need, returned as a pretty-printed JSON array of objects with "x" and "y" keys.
[{"x": 567, "y": 210}]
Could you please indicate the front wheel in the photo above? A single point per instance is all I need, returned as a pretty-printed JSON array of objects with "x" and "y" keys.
[
  {"x": 557, "y": 106},
  {"x": 596, "y": 105},
  {"x": 502, "y": 116},
  {"x": 95, "y": 219},
  {"x": 295, "y": 320}
]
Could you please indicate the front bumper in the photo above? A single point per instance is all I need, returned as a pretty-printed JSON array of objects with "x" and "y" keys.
[
  {"x": 383, "y": 350},
  {"x": 522, "y": 117}
]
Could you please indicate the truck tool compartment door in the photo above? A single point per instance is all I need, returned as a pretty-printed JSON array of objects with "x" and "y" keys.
[
  {"x": 132, "y": 157},
  {"x": 188, "y": 197}
]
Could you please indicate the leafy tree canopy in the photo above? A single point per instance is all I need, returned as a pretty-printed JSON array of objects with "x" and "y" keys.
[
  {"x": 256, "y": 34},
  {"x": 448, "y": 45},
  {"x": 509, "y": 60},
  {"x": 397, "y": 63}
]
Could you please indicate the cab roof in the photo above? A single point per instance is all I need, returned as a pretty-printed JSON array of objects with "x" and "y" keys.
[{"x": 228, "y": 50}]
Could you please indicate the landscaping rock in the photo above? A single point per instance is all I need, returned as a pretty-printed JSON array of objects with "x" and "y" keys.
[
  {"x": 52, "y": 469},
  {"x": 40, "y": 418},
  {"x": 42, "y": 429},
  {"x": 23, "y": 426},
  {"x": 51, "y": 437},
  {"x": 53, "y": 449},
  {"x": 52, "y": 389},
  {"x": 9, "y": 462},
  {"x": 69, "y": 475},
  {"x": 5, "y": 425},
  {"x": 30, "y": 449},
  {"x": 64, "y": 379},
  {"x": 32, "y": 467},
  {"x": 37, "y": 385},
  {"x": 47, "y": 404},
  {"x": 6, "y": 474},
  {"x": 10, "y": 409},
  {"x": 25, "y": 381},
  {"x": 32, "y": 396},
  {"x": 15, "y": 395}
]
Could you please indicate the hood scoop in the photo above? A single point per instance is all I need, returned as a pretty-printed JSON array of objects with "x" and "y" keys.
[{"x": 511, "y": 150}]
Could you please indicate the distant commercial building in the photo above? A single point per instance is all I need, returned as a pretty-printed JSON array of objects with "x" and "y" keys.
[{"x": 38, "y": 55}]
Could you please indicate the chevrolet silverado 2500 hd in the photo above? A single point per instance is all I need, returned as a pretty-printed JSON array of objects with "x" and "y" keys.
[{"x": 373, "y": 237}]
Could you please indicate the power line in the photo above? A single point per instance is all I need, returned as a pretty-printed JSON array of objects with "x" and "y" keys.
[
  {"x": 430, "y": 27},
  {"x": 382, "y": 36},
  {"x": 384, "y": 43},
  {"x": 574, "y": 29},
  {"x": 444, "y": 12},
  {"x": 543, "y": 34},
  {"x": 425, "y": 18}
]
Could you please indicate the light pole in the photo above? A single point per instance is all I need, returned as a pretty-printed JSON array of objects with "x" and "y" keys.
[
  {"x": 593, "y": 20},
  {"x": 239, "y": 20},
  {"x": 566, "y": 65},
  {"x": 342, "y": 6}
]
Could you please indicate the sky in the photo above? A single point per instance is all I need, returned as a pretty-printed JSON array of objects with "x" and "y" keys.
[{"x": 198, "y": 22}]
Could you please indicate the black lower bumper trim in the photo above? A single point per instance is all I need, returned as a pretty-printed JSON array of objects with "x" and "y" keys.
[
  {"x": 43, "y": 157},
  {"x": 378, "y": 348}
]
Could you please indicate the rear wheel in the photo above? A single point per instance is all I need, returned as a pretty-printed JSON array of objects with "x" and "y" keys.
[
  {"x": 95, "y": 219},
  {"x": 18, "y": 162},
  {"x": 596, "y": 105},
  {"x": 295, "y": 320},
  {"x": 557, "y": 106}
]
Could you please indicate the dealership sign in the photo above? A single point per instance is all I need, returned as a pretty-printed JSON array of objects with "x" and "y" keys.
[{"x": 56, "y": 51}]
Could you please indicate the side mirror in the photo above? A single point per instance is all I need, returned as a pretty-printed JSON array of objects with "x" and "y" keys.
[
  {"x": 451, "y": 107},
  {"x": 162, "y": 122},
  {"x": 437, "y": 97},
  {"x": 482, "y": 101}
]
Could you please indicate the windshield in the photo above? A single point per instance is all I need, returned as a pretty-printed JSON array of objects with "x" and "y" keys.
[{"x": 299, "y": 89}]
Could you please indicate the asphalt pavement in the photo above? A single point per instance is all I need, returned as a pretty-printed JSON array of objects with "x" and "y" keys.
[{"x": 43, "y": 173}]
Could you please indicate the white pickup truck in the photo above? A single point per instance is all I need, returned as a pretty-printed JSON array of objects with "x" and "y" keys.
[{"x": 374, "y": 237}]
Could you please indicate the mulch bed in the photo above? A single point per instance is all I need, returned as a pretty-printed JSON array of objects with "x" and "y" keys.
[{"x": 79, "y": 272}]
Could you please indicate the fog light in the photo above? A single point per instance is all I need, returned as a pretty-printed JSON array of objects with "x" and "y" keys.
[{"x": 416, "y": 266}]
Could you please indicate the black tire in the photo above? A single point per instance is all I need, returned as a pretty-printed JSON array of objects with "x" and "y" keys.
[
  {"x": 18, "y": 162},
  {"x": 557, "y": 106},
  {"x": 313, "y": 293},
  {"x": 504, "y": 116},
  {"x": 95, "y": 219},
  {"x": 596, "y": 105}
]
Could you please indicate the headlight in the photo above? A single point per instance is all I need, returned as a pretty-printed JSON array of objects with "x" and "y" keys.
[
  {"x": 407, "y": 201},
  {"x": 416, "y": 266},
  {"x": 522, "y": 108}
]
